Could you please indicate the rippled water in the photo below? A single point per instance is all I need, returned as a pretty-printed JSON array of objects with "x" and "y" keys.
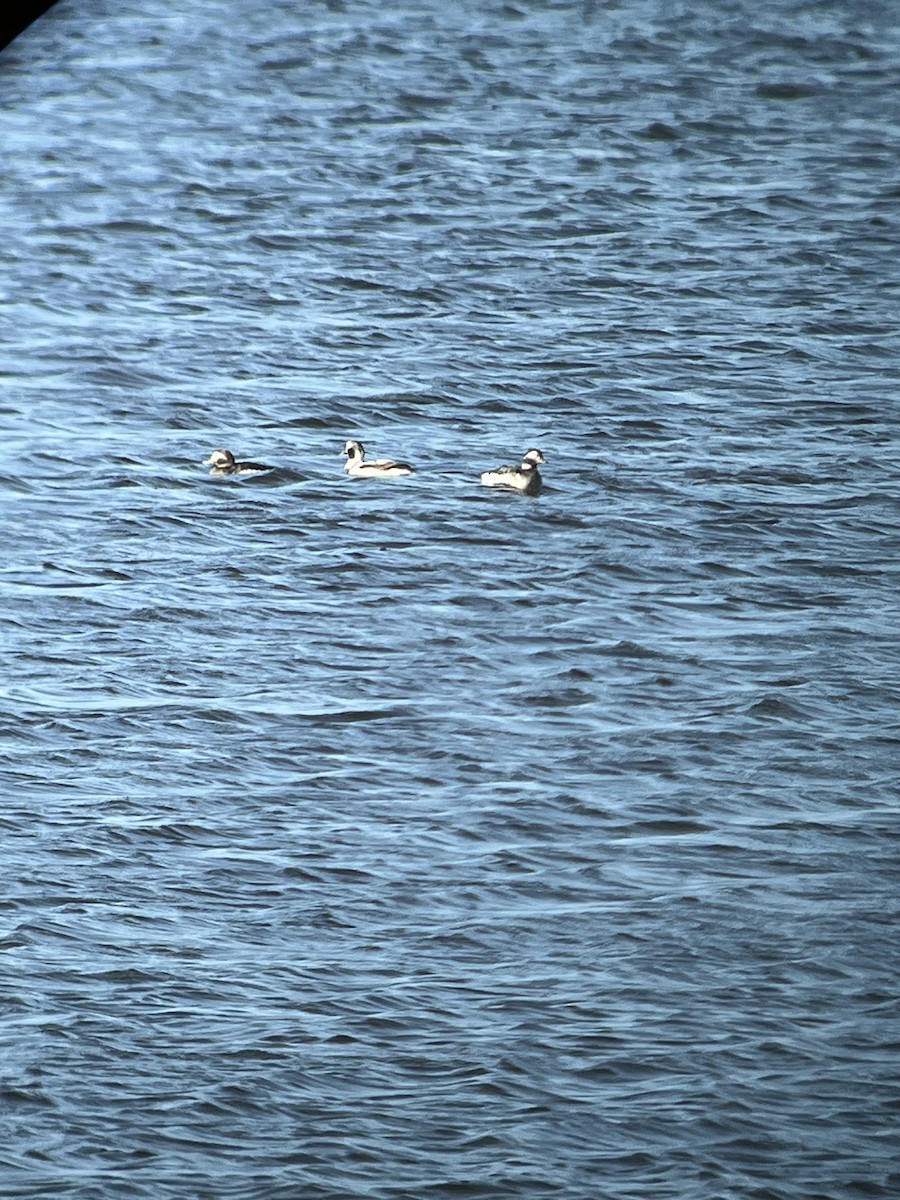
[{"x": 407, "y": 839}]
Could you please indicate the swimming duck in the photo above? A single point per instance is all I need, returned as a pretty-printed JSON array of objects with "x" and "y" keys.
[
  {"x": 223, "y": 463},
  {"x": 525, "y": 478},
  {"x": 378, "y": 468}
]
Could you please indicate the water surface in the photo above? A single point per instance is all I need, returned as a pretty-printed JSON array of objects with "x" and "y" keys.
[{"x": 407, "y": 839}]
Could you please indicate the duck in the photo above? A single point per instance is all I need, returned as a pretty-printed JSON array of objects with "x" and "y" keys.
[
  {"x": 378, "y": 468},
  {"x": 223, "y": 463},
  {"x": 525, "y": 478}
]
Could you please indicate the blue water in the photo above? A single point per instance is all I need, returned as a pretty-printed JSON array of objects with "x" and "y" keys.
[{"x": 406, "y": 839}]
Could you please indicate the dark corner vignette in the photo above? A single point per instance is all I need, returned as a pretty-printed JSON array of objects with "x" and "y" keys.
[{"x": 17, "y": 17}]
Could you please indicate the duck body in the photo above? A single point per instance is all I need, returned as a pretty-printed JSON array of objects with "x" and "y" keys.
[
  {"x": 223, "y": 463},
  {"x": 525, "y": 478},
  {"x": 377, "y": 468}
]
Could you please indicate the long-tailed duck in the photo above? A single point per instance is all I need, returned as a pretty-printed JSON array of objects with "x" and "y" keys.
[
  {"x": 525, "y": 478},
  {"x": 223, "y": 463},
  {"x": 378, "y": 468}
]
